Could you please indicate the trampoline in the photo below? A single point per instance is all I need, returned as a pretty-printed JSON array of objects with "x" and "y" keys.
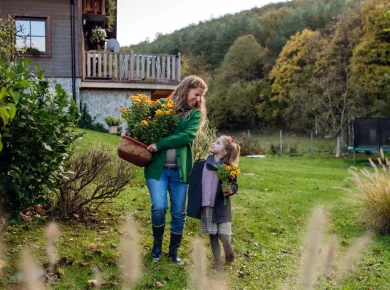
[{"x": 368, "y": 135}]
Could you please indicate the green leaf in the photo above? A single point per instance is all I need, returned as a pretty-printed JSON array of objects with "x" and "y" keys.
[
  {"x": 1, "y": 144},
  {"x": 11, "y": 75},
  {"x": 47, "y": 147},
  {"x": 14, "y": 95},
  {"x": 23, "y": 83},
  {"x": 4, "y": 115},
  {"x": 36, "y": 67},
  {"x": 11, "y": 110},
  {"x": 3, "y": 92}
]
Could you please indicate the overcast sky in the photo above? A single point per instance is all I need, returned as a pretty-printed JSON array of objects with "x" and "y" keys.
[{"x": 140, "y": 19}]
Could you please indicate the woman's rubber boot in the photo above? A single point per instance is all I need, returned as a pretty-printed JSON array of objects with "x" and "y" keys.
[
  {"x": 158, "y": 234},
  {"x": 173, "y": 246}
]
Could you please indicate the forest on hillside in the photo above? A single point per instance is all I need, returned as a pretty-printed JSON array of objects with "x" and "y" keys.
[{"x": 294, "y": 65}]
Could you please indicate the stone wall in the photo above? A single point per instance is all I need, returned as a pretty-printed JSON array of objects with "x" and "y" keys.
[
  {"x": 67, "y": 85},
  {"x": 106, "y": 102}
]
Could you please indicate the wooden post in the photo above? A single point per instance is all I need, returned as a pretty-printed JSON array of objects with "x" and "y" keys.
[
  {"x": 105, "y": 65},
  {"x": 142, "y": 66},
  {"x": 88, "y": 64},
  {"x": 153, "y": 67},
  {"x": 311, "y": 143},
  {"x": 174, "y": 77},
  {"x": 132, "y": 64},
  {"x": 281, "y": 142},
  {"x": 127, "y": 66},
  {"x": 120, "y": 66},
  {"x": 158, "y": 68},
  {"x": 147, "y": 67},
  {"x": 179, "y": 68},
  {"x": 163, "y": 68},
  {"x": 116, "y": 66},
  {"x": 168, "y": 67},
  {"x": 137, "y": 69},
  {"x": 110, "y": 65},
  {"x": 94, "y": 65}
]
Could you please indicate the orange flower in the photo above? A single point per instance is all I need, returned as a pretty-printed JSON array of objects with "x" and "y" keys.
[
  {"x": 234, "y": 166},
  {"x": 227, "y": 167},
  {"x": 149, "y": 117},
  {"x": 238, "y": 171},
  {"x": 232, "y": 175},
  {"x": 144, "y": 122},
  {"x": 159, "y": 112}
]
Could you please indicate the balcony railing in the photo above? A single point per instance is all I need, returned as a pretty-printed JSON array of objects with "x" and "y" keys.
[{"x": 131, "y": 67}]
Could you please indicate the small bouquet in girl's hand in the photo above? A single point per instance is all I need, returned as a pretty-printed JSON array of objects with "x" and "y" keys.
[{"x": 226, "y": 173}]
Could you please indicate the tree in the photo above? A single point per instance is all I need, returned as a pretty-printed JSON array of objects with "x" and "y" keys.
[
  {"x": 235, "y": 88},
  {"x": 370, "y": 60},
  {"x": 292, "y": 87}
]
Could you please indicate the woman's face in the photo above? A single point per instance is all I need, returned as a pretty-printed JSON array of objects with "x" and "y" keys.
[
  {"x": 218, "y": 147},
  {"x": 194, "y": 96}
]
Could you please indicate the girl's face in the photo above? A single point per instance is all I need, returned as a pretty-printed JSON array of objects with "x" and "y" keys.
[
  {"x": 194, "y": 96},
  {"x": 218, "y": 147}
]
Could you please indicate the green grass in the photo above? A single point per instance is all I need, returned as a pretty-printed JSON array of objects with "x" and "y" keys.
[{"x": 270, "y": 212}]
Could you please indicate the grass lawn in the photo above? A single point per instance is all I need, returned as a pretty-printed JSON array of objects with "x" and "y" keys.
[{"x": 270, "y": 212}]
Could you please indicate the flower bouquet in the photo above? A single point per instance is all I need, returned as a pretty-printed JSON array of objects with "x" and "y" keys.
[
  {"x": 147, "y": 122},
  {"x": 226, "y": 173}
]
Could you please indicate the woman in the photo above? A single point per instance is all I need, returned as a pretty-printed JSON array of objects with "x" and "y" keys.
[{"x": 171, "y": 165}]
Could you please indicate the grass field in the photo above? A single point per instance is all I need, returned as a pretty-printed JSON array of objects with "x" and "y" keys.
[{"x": 270, "y": 212}]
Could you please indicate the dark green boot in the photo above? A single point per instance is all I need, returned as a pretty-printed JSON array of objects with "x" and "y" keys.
[
  {"x": 158, "y": 234},
  {"x": 173, "y": 246}
]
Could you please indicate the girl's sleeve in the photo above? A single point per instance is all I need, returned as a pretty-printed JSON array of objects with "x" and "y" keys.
[
  {"x": 234, "y": 186},
  {"x": 183, "y": 138}
]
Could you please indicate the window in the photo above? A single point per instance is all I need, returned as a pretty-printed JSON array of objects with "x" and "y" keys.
[{"x": 33, "y": 33}]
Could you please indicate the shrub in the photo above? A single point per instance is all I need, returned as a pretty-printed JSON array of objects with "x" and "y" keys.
[
  {"x": 203, "y": 141},
  {"x": 249, "y": 145},
  {"x": 112, "y": 121},
  {"x": 373, "y": 194},
  {"x": 92, "y": 179},
  {"x": 87, "y": 122},
  {"x": 37, "y": 140}
]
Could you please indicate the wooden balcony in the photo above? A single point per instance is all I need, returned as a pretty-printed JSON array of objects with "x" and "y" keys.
[
  {"x": 142, "y": 71},
  {"x": 94, "y": 7}
]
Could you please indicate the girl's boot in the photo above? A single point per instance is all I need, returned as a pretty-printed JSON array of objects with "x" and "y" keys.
[
  {"x": 217, "y": 265},
  {"x": 173, "y": 246},
  {"x": 158, "y": 234}
]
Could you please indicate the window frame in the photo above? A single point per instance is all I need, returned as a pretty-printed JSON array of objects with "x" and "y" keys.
[{"x": 48, "y": 35}]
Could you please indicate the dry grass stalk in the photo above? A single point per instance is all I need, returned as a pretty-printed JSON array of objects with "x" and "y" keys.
[
  {"x": 131, "y": 259},
  {"x": 353, "y": 254},
  {"x": 330, "y": 256},
  {"x": 199, "y": 278},
  {"x": 3, "y": 262},
  {"x": 373, "y": 193},
  {"x": 52, "y": 235},
  {"x": 310, "y": 257},
  {"x": 30, "y": 272}
]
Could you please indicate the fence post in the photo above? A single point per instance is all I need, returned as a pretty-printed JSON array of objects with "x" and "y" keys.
[
  {"x": 281, "y": 142},
  {"x": 311, "y": 143}
]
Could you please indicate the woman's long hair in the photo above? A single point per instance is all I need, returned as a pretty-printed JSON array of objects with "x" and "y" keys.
[{"x": 181, "y": 93}]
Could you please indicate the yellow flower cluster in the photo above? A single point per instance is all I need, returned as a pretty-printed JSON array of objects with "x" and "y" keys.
[
  {"x": 161, "y": 112},
  {"x": 235, "y": 170},
  {"x": 144, "y": 122}
]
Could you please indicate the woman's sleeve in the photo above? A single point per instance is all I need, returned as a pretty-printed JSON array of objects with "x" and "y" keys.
[
  {"x": 183, "y": 138},
  {"x": 234, "y": 186}
]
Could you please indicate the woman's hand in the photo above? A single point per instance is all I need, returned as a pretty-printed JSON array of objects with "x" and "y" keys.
[
  {"x": 152, "y": 148},
  {"x": 226, "y": 190}
]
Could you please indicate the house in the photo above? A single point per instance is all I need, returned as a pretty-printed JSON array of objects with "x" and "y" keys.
[{"x": 57, "y": 34}]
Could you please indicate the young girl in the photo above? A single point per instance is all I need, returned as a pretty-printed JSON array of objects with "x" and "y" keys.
[
  {"x": 171, "y": 164},
  {"x": 209, "y": 201}
]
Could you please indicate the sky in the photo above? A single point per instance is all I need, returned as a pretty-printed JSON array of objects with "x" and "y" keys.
[{"x": 141, "y": 19}]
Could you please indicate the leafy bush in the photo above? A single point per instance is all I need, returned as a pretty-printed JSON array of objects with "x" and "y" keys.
[
  {"x": 36, "y": 141},
  {"x": 203, "y": 141},
  {"x": 112, "y": 121},
  {"x": 87, "y": 122},
  {"x": 373, "y": 194},
  {"x": 92, "y": 179},
  {"x": 249, "y": 145}
]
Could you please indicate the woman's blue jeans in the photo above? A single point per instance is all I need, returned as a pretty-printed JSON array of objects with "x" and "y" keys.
[{"x": 169, "y": 181}]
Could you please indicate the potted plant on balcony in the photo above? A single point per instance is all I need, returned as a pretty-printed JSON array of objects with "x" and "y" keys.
[
  {"x": 98, "y": 36},
  {"x": 147, "y": 122},
  {"x": 112, "y": 123}
]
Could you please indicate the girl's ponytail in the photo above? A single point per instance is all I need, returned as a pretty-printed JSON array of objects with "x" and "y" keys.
[{"x": 232, "y": 149}]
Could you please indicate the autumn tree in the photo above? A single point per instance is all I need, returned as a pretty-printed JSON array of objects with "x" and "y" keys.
[{"x": 371, "y": 61}]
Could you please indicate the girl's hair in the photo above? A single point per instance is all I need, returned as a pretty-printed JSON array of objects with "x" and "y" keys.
[
  {"x": 181, "y": 93},
  {"x": 232, "y": 149}
]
